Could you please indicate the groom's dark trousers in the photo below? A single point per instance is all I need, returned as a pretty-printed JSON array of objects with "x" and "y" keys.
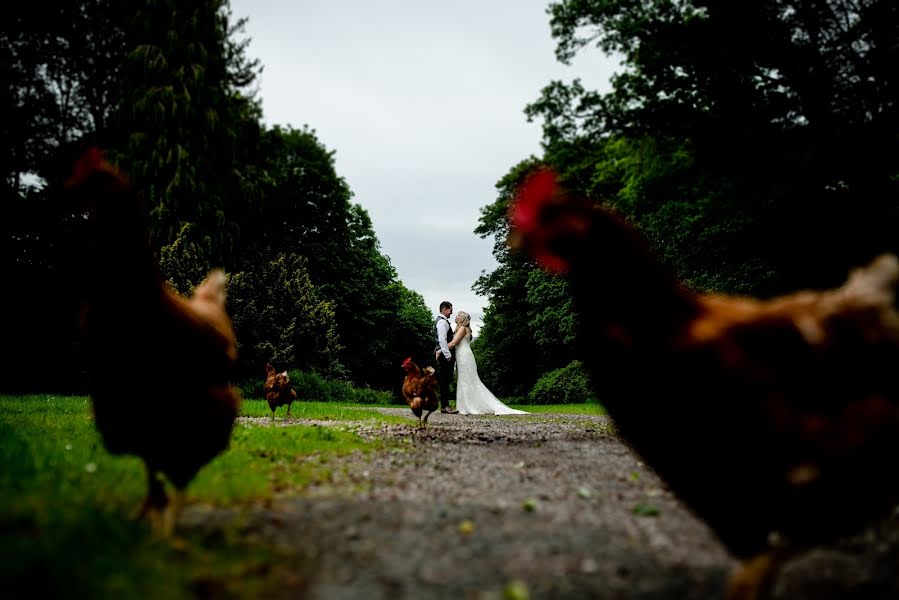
[{"x": 445, "y": 377}]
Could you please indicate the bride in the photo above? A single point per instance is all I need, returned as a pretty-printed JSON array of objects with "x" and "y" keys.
[{"x": 472, "y": 396}]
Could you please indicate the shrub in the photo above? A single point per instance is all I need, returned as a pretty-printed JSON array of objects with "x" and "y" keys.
[
  {"x": 367, "y": 395},
  {"x": 516, "y": 400},
  {"x": 252, "y": 388},
  {"x": 313, "y": 387},
  {"x": 182, "y": 262},
  {"x": 309, "y": 385},
  {"x": 280, "y": 316},
  {"x": 338, "y": 390},
  {"x": 568, "y": 385}
]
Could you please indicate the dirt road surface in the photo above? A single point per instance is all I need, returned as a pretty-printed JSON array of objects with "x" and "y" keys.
[{"x": 517, "y": 507}]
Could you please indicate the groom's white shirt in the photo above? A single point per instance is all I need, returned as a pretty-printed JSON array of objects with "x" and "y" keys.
[{"x": 442, "y": 327}]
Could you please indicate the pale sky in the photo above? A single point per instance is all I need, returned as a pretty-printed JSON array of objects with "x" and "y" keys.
[{"x": 423, "y": 103}]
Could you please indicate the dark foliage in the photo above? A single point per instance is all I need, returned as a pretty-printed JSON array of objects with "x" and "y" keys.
[
  {"x": 753, "y": 143},
  {"x": 166, "y": 88}
]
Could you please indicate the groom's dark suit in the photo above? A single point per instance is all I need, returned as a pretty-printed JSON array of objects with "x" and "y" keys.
[{"x": 444, "y": 365}]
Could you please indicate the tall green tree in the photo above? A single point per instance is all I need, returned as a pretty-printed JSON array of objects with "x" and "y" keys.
[
  {"x": 754, "y": 143},
  {"x": 59, "y": 63},
  {"x": 505, "y": 347},
  {"x": 165, "y": 87},
  {"x": 409, "y": 331},
  {"x": 280, "y": 316},
  {"x": 781, "y": 115},
  {"x": 187, "y": 112},
  {"x": 302, "y": 205},
  {"x": 305, "y": 208}
]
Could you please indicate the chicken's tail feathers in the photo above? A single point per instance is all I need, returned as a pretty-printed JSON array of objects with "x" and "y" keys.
[
  {"x": 212, "y": 289},
  {"x": 874, "y": 286},
  {"x": 882, "y": 275}
]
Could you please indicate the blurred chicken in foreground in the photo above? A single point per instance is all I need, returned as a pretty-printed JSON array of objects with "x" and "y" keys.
[
  {"x": 420, "y": 390},
  {"x": 776, "y": 421},
  {"x": 158, "y": 363}
]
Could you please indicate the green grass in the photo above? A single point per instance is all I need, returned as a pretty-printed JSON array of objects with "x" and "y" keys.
[
  {"x": 65, "y": 506},
  {"x": 562, "y": 409},
  {"x": 320, "y": 411},
  {"x": 65, "y": 527},
  {"x": 330, "y": 411}
]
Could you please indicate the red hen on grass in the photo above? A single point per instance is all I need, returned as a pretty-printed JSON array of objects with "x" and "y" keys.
[
  {"x": 278, "y": 391},
  {"x": 420, "y": 390}
]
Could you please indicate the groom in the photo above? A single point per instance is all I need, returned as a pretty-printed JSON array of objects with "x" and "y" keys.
[{"x": 445, "y": 357}]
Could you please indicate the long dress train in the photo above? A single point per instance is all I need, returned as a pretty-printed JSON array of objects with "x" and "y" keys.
[{"x": 472, "y": 396}]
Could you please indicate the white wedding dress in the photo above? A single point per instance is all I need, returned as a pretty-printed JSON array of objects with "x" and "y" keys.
[{"x": 472, "y": 396}]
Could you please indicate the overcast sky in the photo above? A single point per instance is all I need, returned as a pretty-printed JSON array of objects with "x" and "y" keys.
[{"x": 423, "y": 103}]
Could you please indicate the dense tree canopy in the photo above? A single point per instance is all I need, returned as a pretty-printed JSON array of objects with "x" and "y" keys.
[
  {"x": 304, "y": 208},
  {"x": 166, "y": 88},
  {"x": 279, "y": 316},
  {"x": 60, "y": 64},
  {"x": 528, "y": 327},
  {"x": 754, "y": 143},
  {"x": 779, "y": 118},
  {"x": 187, "y": 119}
]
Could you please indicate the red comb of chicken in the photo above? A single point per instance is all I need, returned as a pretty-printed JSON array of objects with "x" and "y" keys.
[
  {"x": 542, "y": 214},
  {"x": 89, "y": 162},
  {"x": 537, "y": 190}
]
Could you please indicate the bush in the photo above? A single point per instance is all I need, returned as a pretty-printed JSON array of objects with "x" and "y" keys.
[
  {"x": 313, "y": 387},
  {"x": 516, "y": 400},
  {"x": 252, "y": 388},
  {"x": 280, "y": 316},
  {"x": 369, "y": 396},
  {"x": 309, "y": 385},
  {"x": 338, "y": 390},
  {"x": 568, "y": 385}
]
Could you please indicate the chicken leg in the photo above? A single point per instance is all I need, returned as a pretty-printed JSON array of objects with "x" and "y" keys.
[
  {"x": 754, "y": 577},
  {"x": 171, "y": 512},
  {"x": 156, "y": 501}
]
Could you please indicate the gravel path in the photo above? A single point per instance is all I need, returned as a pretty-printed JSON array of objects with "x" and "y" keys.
[{"x": 538, "y": 506}]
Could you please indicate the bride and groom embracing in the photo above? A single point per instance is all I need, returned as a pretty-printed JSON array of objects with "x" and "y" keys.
[{"x": 454, "y": 348}]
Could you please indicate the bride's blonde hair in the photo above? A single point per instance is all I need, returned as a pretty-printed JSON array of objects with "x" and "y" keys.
[{"x": 464, "y": 319}]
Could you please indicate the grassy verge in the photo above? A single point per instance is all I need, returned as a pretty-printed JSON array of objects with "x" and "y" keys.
[
  {"x": 563, "y": 409},
  {"x": 331, "y": 411},
  {"x": 65, "y": 529},
  {"x": 320, "y": 411}
]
